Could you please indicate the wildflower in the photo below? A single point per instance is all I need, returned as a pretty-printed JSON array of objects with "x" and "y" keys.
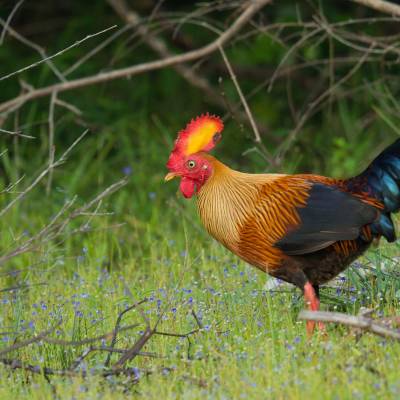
[{"x": 127, "y": 170}]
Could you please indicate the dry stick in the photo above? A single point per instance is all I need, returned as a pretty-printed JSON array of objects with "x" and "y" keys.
[
  {"x": 134, "y": 350},
  {"x": 242, "y": 98},
  {"x": 159, "y": 46},
  {"x": 116, "y": 328},
  {"x": 35, "y": 47},
  {"x": 27, "y": 342},
  {"x": 42, "y": 175},
  {"x": 246, "y": 107},
  {"x": 252, "y": 8},
  {"x": 37, "y": 369},
  {"x": 88, "y": 340},
  {"x": 77, "y": 43},
  {"x": 286, "y": 145},
  {"x": 53, "y": 100},
  {"x": 8, "y": 21},
  {"x": 380, "y": 5},
  {"x": 361, "y": 322},
  {"x": 16, "y": 133},
  {"x": 53, "y": 230}
]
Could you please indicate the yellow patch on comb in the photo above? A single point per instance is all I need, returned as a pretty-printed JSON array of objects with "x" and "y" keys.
[{"x": 201, "y": 134}]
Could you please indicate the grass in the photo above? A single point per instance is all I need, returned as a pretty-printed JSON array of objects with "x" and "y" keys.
[{"x": 250, "y": 345}]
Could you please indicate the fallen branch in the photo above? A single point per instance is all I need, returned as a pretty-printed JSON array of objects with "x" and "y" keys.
[
  {"x": 361, "y": 322},
  {"x": 252, "y": 8}
]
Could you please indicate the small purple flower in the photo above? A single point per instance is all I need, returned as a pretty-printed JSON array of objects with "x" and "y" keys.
[
  {"x": 136, "y": 372},
  {"x": 152, "y": 195},
  {"x": 79, "y": 313},
  {"x": 127, "y": 170},
  {"x": 173, "y": 309}
]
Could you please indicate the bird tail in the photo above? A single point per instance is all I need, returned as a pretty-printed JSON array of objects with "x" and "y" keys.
[{"x": 381, "y": 180}]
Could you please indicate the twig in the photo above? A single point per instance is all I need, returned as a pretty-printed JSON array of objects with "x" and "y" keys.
[
  {"x": 380, "y": 5},
  {"x": 35, "y": 47},
  {"x": 27, "y": 342},
  {"x": 42, "y": 175},
  {"x": 16, "y": 133},
  {"x": 53, "y": 100},
  {"x": 77, "y": 43},
  {"x": 8, "y": 21},
  {"x": 252, "y": 8},
  {"x": 117, "y": 325},
  {"x": 88, "y": 340},
  {"x": 158, "y": 45},
  {"x": 367, "y": 324},
  {"x": 242, "y": 98},
  {"x": 135, "y": 349}
]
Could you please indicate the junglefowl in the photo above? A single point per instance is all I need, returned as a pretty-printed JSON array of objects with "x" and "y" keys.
[{"x": 304, "y": 229}]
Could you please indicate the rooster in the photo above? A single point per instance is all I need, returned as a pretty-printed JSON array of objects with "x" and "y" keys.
[{"x": 304, "y": 229}]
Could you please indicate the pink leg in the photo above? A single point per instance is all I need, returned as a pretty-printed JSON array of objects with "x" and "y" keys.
[{"x": 312, "y": 302}]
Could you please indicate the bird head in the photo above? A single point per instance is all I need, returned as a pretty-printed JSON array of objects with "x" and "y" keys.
[{"x": 188, "y": 158}]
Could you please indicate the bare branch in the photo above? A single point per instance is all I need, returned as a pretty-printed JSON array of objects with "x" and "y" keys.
[
  {"x": 361, "y": 322},
  {"x": 158, "y": 45},
  {"x": 79, "y": 42},
  {"x": 8, "y": 21},
  {"x": 252, "y": 7},
  {"x": 117, "y": 327},
  {"x": 380, "y": 5},
  {"x": 42, "y": 175},
  {"x": 53, "y": 100},
  {"x": 27, "y": 342}
]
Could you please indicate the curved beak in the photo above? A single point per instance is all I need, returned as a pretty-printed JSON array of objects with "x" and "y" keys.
[{"x": 169, "y": 176}]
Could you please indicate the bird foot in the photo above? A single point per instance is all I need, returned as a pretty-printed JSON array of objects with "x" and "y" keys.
[{"x": 313, "y": 305}]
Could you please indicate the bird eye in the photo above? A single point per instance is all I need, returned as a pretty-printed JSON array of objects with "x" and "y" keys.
[{"x": 191, "y": 164}]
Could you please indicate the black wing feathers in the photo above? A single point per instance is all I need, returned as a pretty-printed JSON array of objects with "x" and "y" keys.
[{"x": 330, "y": 215}]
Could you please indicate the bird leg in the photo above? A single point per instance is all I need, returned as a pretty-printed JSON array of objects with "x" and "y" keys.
[{"x": 312, "y": 300}]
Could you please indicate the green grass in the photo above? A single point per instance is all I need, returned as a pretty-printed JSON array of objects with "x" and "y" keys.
[{"x": 251, "y": 344}]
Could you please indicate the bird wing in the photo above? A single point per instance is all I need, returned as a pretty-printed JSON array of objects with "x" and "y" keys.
[{"x": 324, "y": 216}]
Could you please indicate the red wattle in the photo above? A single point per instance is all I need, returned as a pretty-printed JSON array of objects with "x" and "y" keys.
[{"x": 188, "y": 187}]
